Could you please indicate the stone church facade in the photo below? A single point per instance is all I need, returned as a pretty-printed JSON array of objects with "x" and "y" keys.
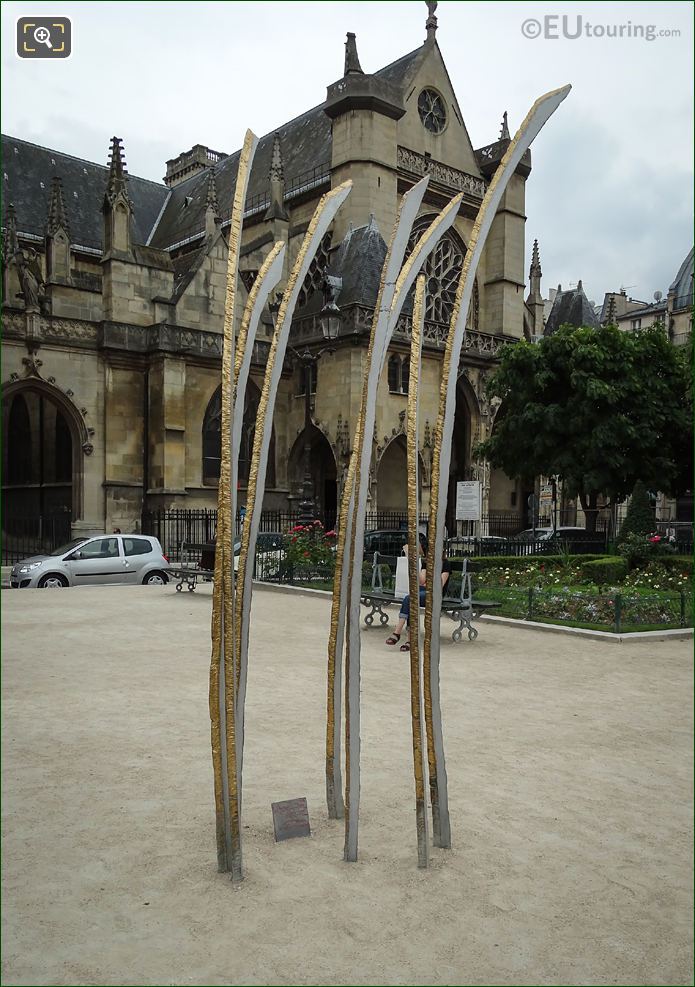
[{"x": 114, "y": 296}]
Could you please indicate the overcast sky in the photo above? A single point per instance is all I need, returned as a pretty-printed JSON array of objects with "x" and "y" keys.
[{"x": 610, "y": 195}]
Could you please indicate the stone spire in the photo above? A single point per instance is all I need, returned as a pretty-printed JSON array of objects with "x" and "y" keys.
[
  {"x": 57, "y": 213},
  {"x": 277, "y": 168},
  {"x": 535, "y": 270},
  {"x": 431, "y": 22},
  {"x": 118, "y": 174},
  {"x": 116, "y": 207},
  {"x": 212, "y": 209},
  {"x": 611, "y": 315},
  {"x": 276, "y": 209},
  {"x": 57, "y": 236},
  {"x": 352, "y": 62},
  {"x": 504, "y": 129},
  {"x": 534, "y": 302}
]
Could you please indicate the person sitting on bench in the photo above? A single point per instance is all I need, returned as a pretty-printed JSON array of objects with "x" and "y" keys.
[{"x": 404, "y": 615}]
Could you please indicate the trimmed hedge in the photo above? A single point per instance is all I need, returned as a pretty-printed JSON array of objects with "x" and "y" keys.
[
  {"x": 681, "y": 563},
  {"x": 605, "y": 572},
  {"x": 481, "y": 562}
]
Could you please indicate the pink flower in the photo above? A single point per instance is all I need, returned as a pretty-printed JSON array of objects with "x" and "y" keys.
[
  {"x": 330, "y": 534},
  {"x": 306, "y": 555},
  {"x": 654, "y": 539}
]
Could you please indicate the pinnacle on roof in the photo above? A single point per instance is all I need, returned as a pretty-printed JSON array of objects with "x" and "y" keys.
[
  {"x": 57, "y": 212},
  {"x": 352, "y": 62},
  {"x": 211, "y": 195},
  {"x": 118, "y": 173},
  {"x": 611, "y": 315},
  {"x": 276, "y": 208},
  {"x": 535, "y": 261},
  {"x": 504, "y": 129},
  {"x": 431, "y": 22},
  {"x": 277, "y": 170}
]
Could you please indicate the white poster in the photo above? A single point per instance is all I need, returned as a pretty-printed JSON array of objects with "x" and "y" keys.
[{"x": 469, "y": 500}]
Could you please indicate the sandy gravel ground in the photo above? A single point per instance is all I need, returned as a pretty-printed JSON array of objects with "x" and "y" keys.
[{"x": 569, "y": 766}]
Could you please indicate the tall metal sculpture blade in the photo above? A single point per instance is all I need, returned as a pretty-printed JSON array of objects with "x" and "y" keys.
[
  {"x": 363, "y": 453},
  {"x": 378, "y": 343},
  {"x": 222, "y": 663},
  {"x": 539, "y": 114},
  {"x": 417, "y": 699},
  {"x": 267, "y": 278},
  {"x": 321, "y": 220}
]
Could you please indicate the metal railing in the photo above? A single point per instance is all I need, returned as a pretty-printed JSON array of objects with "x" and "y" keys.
[
  {"x": 175, "y": 526},
  {"x": 23, "y": 537}
]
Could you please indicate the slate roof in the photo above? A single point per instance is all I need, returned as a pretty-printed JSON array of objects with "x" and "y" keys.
[
  {"x": 398, "y": 72},
  {"x": 306, "y": 144},
  {"x": 682, "y": 284},
  {"x": 655, "y": 308},
  {"x": 28, "y": 166},
  {"x": 571, "y": 308},
  {"x": 359, "y": 261}
]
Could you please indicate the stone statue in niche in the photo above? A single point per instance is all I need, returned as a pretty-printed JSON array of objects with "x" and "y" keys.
[{"x": 31, "y": 280}]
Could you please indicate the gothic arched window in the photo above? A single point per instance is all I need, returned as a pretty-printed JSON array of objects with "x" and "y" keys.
[
  {"x": 313, "y": 281},
  {"x": 442, "y": 270},
  {"x": 212, "y": 445}
]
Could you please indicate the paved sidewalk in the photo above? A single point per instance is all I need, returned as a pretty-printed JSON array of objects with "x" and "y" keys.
[{"x": 570, "y": 779}]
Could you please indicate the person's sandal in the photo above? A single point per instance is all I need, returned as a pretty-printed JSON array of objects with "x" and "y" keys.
[
  {"x": 405, "y": 647},
  {"x": 394, "y": 639}
]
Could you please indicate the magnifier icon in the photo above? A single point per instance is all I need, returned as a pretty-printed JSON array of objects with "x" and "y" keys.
[{"x": 43, "y": 36}]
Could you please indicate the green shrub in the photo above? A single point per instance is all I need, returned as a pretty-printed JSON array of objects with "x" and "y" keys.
[
  {"x": 639, "y": 518},
  {"x": 483, "y": 562},
  {"x": 605, "y": 572},
  {"x": 639, "y": 550}
]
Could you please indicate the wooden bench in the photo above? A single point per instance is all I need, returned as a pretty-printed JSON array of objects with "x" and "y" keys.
[
  {"x": 460, "y": 607},
  {"x": 198, "y": 564}
]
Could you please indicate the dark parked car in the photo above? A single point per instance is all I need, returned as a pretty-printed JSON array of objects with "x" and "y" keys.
[
  {"x": 564, "y": 538},
  {"x": 469, "y": 545},
  {"x": 387, "y": 541}
]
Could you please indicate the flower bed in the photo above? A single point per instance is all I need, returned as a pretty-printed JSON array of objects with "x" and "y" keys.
[{"x": 579, "y": 607}]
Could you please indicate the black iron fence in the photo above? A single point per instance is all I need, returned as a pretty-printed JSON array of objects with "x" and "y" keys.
[
  {"x": 178, "y": 525},
  {"x": 500, "y": 532},
  {"x": 26, "y": 536}
]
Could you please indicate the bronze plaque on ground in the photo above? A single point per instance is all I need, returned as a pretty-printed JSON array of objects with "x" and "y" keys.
[{"x": 290, "y": 819}]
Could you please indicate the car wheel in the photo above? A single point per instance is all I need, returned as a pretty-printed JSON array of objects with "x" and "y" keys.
[
  {"x": 53, "y": 580},
  {"x": 155, "y": 579}
]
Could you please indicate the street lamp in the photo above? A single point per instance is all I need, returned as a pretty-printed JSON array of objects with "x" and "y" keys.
[{"x": 329, "y": 320}]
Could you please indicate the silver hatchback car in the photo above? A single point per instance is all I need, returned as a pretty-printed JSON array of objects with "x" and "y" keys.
[{"x": 128, "y": 559}]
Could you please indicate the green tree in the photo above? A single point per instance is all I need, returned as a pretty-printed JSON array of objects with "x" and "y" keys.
[
  {"x": 639, "y": 517},
  {"x": 600, "y": 408}
]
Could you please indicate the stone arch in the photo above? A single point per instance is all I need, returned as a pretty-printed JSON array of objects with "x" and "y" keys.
[
  {"x": 59, "y": 441},
  {"x": 323, "y": 469},
  {"x": 391, "y": 472}
]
